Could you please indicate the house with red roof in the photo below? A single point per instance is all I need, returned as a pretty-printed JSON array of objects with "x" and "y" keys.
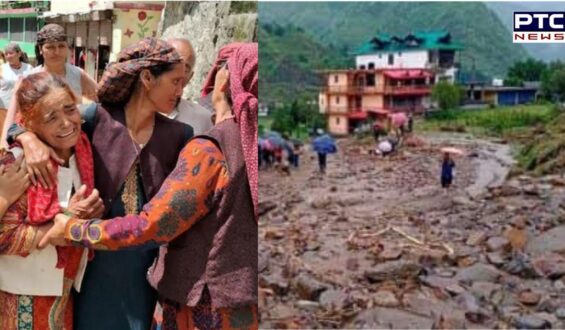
[{"x": 392, "y": 74}]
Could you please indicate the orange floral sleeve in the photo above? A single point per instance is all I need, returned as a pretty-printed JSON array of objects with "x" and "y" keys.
[{"x": 186, "y": 196}]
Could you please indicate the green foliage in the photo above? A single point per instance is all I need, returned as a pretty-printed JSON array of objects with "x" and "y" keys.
[
  {"x": 497, "y": 121},
  {"x": 447, "y": 95},
  {"x": 528, "y": 70},
  {"x": 544, "y": 152},
  {"x": 296, "y": 118},
  {"x": 290, "y": 60}
]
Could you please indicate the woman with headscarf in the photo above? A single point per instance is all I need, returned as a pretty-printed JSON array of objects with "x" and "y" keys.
[
  {"x": 135, "y": 148},
  {"x": 205, "y": 212},
  {"x": 51, "y": 52}
]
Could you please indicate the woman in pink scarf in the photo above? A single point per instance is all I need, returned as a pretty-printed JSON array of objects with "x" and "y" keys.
[{"x": 205, "y": 211}]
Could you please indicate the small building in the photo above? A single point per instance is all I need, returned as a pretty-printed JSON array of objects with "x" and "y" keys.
[
  {"x": 19, "y": 22},
  {"x": 502, "y": 95}
]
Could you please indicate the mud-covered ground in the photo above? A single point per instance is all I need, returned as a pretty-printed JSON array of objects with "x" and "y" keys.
[{"x": 377, "y": 243}]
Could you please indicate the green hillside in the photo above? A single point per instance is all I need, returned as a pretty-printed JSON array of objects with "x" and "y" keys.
[{"x": 331, "y": 29}]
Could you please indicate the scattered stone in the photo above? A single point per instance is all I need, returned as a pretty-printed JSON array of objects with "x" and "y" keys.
[
  {"x": 529, "y": 297},
  {"x": 531, "y": 322},
  {"x": 352, "y": 264},
  {"x": 266, "y": 207},
  {"x": 381, "y": 317},
  {"x": 521, "y": 265},
  {"x": 308, "y": 305},
  {"x": 390, "y": 252},
  {"x": 275, "y": 282},
  {"x": 385, "y": 299},
  {"x": 559, "y": 285},
  {"x": 450, "y": 321},
  {"x": 320, "y": 202},
  {"x": 497, "y": 243},
  {"x": 550, "y": 265},
  {"x": 455, "y": 289},
  {"x": 495, "y": 258},
  {"x": 560, "y": 313},
  {"x": 437, "y": 281},
  {"x": 550, "y": 241},
  {"x": 263, "y": 262},
  {"x": 473, "y": 311},
  {"x": 309, "y": 288},
  {"x": 479, "y": 272},
  {"x": 467, "y": 261},
  {"x": 476, "y": 238},
  {"x": 484, "y": 290},
  {"x": 394, "y": 270},
  {"x": 335, "y": 299}
]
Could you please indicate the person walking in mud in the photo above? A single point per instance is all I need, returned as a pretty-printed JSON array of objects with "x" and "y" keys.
[{"x": 447, "y": 171}]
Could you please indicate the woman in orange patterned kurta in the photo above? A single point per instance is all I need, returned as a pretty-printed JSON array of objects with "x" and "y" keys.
[
  {"x": 188, "y": 195},
  {"x": 48, "y": 108}
]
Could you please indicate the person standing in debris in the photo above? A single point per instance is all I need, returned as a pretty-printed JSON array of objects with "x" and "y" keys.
[
  {"x": 447, "y": 170},
  {"x": 410, "y": 122},
  {"x": 297, "y": 153},
  {"x": 188, "y": 112},
  {"x": 322, "y": 161}
]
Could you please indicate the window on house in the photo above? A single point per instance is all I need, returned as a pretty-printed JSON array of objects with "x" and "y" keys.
[
  {"x": 336, "y": 79},
  {"x": 337, "y": 120},
  {"x": 4, "y": 28},
  {"x": 30, "y": 29},
  {"x": 371, "y": 66},
  {"x": 16, "y": 29},
  {"x": 380, "y": 56},
  {"x": 399, "y": 54},
  {"x": 390, "y": 59},
  {"x": 370, "y": 78},
  {"x": 337, "y": 100},
  {"x": 362, "y": 67}
]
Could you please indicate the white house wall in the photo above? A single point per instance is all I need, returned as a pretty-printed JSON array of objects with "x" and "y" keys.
[{"x": 412, "y": 59}]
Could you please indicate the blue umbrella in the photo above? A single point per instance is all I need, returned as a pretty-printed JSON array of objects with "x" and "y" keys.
[
  {"x": 324, "y": 144},
  {"x": 275, "y": 139}
]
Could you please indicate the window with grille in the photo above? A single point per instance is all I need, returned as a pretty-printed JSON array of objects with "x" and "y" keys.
[
  {"x": 4, "y": 28},
  {"x": 30, "y": 34},
  {"x": 17, "y": 29}
]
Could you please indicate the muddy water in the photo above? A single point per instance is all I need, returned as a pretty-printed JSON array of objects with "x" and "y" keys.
[{"x": 327, "y": 233}]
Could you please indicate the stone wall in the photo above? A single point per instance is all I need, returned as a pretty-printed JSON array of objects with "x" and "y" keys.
[{"x": 208, "y": 26}]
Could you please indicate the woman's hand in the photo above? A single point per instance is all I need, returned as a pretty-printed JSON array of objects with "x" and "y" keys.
[
  {"x": 37, "y": 156},
  {"x": 86, "y": 208},
  {"x": 55, "y": 235},
  {"x": 13, "y": 182}
]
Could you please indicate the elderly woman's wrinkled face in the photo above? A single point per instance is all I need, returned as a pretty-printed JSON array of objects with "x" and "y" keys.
[
  {"x": 167, "y": 89},
  {"x": 57, "y": 121},
  {"x": 55, "y": 52}
]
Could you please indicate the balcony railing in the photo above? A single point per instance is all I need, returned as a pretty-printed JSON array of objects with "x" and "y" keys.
[
  {"x": 352, "y": 89},
  {"x": 407, "y": 90},
  {"x": 337, "y": 109}
]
